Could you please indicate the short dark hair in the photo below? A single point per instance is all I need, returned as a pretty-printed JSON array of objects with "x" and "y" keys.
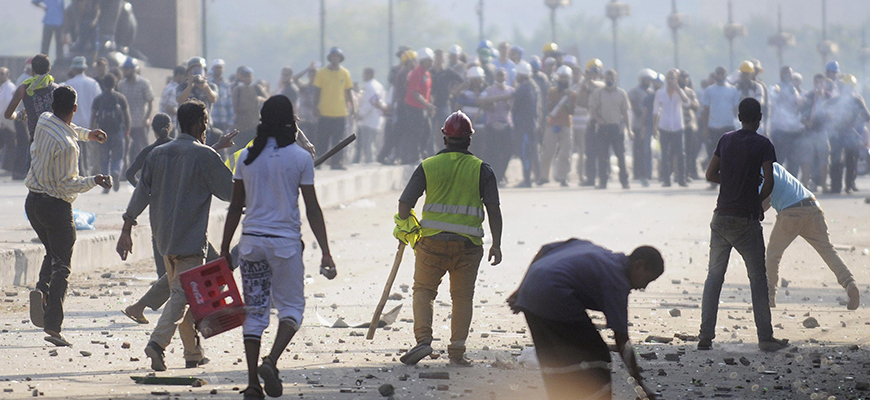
[
  {"x": 40, "y": 64},
  {"x": 108, "y": 82},
  {"x": 749, "y": 110},
  {"x": 651, "y": 256},
  {"x": 63, "y": 100},
  {"x": 160, "y": 123},
  {"x": 189, "y": 113},
  {"x": 179, "y": 70}
]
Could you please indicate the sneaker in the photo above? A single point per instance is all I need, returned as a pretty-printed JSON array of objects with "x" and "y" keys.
[
  {"x": 587, "y": 183},
  {"x": 460, "y": 362},
  {"x": 155, "y": 353},
  {"x": 854, "y": 296},
  {"x": 563, "y": 183},
  {"x": 271, "y": 381},
  {"x": 625, "y": 186},
  {"x": 37, "y": 308},
  {"x": 773, "y": 344},
  {"x": 194, "y": 364},
  {"x": 705, "y": 344},
  {"x": 413, "y": 356},
  {"x": 644, "y": 182}
]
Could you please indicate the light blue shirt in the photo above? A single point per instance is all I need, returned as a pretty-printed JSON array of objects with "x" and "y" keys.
[
  {"x": 787, "y": 190},
  {"x": 721, "y": 100},
  {"x": 53, "y": 12}
]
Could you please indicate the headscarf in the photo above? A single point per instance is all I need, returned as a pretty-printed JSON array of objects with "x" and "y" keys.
[{"x": 277, "y": 120}]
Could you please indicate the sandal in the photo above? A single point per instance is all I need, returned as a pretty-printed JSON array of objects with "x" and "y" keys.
[
  {"x": 56, "y": 339},
  {"x": 252, "y": 393},
  {"x": 139, "y": 320},
  {"x": 271, "y": 380}
]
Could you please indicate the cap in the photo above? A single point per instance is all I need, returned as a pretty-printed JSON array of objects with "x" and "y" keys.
[
  {"x": 79, "y": 63},
  {"x": 402, "y": 50},
  {"x": 455, "y": 50},
  {"x": 247, "y": 70},
  {"x": 218, "y": 61},
  {"x": 832, "y": 66},
  {"x": 564, "y": 71},
  {"x": 535, "y": 62},
  {"x": 425, "y": 53},
  {"x": 457, "y": 125},
  {"x": 746, "y": 66},
  {"x": 523, "y": 68},
  {"x": 129, "y": 63},
  {"x": 519, "y": 50},
  {"x": 474, "y": 72}
]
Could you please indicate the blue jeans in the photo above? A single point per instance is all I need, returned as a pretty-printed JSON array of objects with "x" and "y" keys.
[
  {"x": 112, "y": 155},
  {"x": 744, "y": 235}
]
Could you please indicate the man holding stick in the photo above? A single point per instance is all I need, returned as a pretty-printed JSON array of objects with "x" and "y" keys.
[{"x": 458, "y": 186}]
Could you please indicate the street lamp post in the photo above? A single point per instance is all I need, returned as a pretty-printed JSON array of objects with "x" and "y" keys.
[
  {"x": 390, "y": 36},
  {"x": 675, "y": 22},
  {"x": 732, "y": 31},
  {"x": 554, "y": 4},
  {"x": 323, "y": 32},
  {"x": 826, "y": 47},
  {"x": 616, "y": 10},
  {"x": 480, "y": 19},
  {"x": 865, "y": 55},
  {"x": 782, "y": 39}
]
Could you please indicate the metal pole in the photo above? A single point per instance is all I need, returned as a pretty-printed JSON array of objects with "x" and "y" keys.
[
  {"x": 390, "y": 37},
  {"x": 480, "y": 19},
  {"x": 323, "y": 32},
  {"x": 615, "y": 55},
  {"x": 676, "y": 37},
  {"x": 824, "y": 28},
  {"x": 553, "y": 24},
  {"x": 204, "y": 19},
  {"x": 779, "y": 28},
  {"x": 730, "y": 41}
]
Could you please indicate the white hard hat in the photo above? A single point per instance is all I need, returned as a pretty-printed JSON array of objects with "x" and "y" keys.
[
  {"x": 564, "y": 71},
  {"x": 474, "y": 72},
  {"x": 455, "y": 50},
  {"x": 569, "y": 59},
  {"x": 523, "y": 68},
  {"x": 425, "y": 53},
  {"x": 647, "y": 73}
]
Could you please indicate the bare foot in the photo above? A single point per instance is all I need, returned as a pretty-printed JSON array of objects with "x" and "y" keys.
[{"x": 136, "y": 312}]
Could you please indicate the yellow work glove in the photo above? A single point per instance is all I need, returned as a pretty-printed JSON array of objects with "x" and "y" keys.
[{"x": 407, "y": 230}]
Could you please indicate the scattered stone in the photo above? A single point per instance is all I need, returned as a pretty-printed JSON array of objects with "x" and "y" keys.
[
  {"x": 160, "y": 392},
  {"x": 386, "y": 390},
  {"x": 811, "y": 323},
  {"x": 404, "y": 377},
  {"x": 649, "y": 356},
  {"x": 106, "y": 275},
  {"x": 213, "y": 391},
  {"x": 125, "y": 345},
  {"x": 744, "y": 361},
  {"x": 85, "y": 353},
  {"x": 686, "y": 337},
  {"x": 434, "y": 375},
  {"x": 11, "y": 294},
  {"x": 52, "y": 353},
  {"x": 662, "y": 372},
  {"x": 676, "y": 281},
  {"x": 134, "y": 359},
  {"x": 658, "y": 339},
  {"x": 730, "y": 361},
  {"x": 783, "y": 283},
  {"x": 862, "y": 386},
  {"x": 319, "y": 295},
  {"x": 396, "y": 296},
  {"x": 672, "y": 357},
  {"x": 443, "y": 388},
  {"x": 675, "y": 312},
  {"x": 484, "y": 335},
  {"x": 404, "y": 287},
  {"x": 7, "y": 390},
  {"x": 35, "y": 392}
]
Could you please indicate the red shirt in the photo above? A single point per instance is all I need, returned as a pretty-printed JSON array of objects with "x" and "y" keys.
[{"x": 419, "y": 81}]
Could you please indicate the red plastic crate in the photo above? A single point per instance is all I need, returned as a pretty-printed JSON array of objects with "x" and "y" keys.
[{"x": 213, "y": 297}]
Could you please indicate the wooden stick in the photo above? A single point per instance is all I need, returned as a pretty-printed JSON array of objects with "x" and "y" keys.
[{"x": 376, "y": 318}]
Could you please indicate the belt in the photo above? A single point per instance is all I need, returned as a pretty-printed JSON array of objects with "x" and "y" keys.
[{"x": 808, "y": 202}]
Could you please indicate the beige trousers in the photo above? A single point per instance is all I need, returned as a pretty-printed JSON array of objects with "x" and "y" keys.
[
  {"x": 808, "y": 223},
  {"x": 556, "y": 147},
  {"x": 176, "y": 310}
]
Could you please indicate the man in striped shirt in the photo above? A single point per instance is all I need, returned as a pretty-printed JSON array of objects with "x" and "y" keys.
[{"x": 54, "y": 182}]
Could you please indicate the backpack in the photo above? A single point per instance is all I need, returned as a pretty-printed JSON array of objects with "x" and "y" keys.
[{"x": 109, "y": 114}]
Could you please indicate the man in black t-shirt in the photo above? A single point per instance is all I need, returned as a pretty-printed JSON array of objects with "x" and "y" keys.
[
  {"x": 735, "y": 165},
  {"x": 111, "y": 113}
]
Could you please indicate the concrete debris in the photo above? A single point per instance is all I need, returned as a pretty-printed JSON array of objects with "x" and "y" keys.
[
  {"x": 434, "y": 375},
  {"x": 386, "y": 390},
  {"x": 672, "y": 357},
  {"x": 396, "y": 296},
  {"x": 658, "y": 339},
  {"x": 811, "y": 323},
  {"x": 675, "y": 312}
]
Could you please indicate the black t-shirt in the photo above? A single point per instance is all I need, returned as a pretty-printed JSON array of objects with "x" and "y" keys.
[
  {"x": 741, "y": 154},
  {"x": 442, "y": 81},
  {"x": 109, "y": 108},
  {"x": 417, "y": 184}
]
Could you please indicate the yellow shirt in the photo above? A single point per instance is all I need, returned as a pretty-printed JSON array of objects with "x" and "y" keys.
[{"x": 333, "y": 85}]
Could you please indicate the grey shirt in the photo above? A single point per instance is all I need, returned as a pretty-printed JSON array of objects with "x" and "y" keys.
[{"x": 178, "y": 180}]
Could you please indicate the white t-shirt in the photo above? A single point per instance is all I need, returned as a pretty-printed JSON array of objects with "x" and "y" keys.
[
  {"x": 272, "y": 189},
  {"x": 87, "y": 90}
]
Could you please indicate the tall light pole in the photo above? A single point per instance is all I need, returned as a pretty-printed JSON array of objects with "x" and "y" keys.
[
  {"x": 865, "y": 55},
  {"x": 555, "y": 4},
  {"x": 204, "y": 19},
  {"x": 480, "y": 19},
  {"x": 390, "y": 36},
  {"x": 675, "y": 22},
  {"x": 782, "y": 39},
  {"x": 323, "y": 32},
  {"x": 826, "y": 47},
  {"x": 616, "y": 10},
  {"x": 732, "y": 31}
]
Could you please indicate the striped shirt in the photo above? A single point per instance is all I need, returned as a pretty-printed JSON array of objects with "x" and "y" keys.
[{"x": 54, "y": 169}]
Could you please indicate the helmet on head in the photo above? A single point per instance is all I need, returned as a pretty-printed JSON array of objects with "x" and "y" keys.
[
  {"x": 409, "y": 55},
  {"x": 659, "y": 78},
  {"x": 850, "y": 80},
  {"x": 457, "y": 125},
  {"x": 647, "y": 73},
  {"x": 333, "y": 51},
  {"x": 564, "y": 71},
  {"x": 484, "y": 54},
  {"x": 832, "y": 66},
  {"x": 196, "y": 62},
  {"x": 484, "y": 44},
  {"x": 550, "y": 48},
  {"x": 131, "y": 63},
  {"x": 474, "y": 72},
  {"x": 535, "y": 62},
  {"x": 746, "y": 66},
  {"x": 595, "y": 63},
  {"x": 425, "y": 53},
  {"x": 455, "y": 49},
  {"x": 523, "y": 68},
  {"x": 570, "y": 60}
]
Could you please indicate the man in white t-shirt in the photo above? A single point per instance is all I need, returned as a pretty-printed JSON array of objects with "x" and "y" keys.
[
  {"x": 87, "y": 89},
  {"x": 267, "y": 181},
  {"x": 370, "y": 116}
]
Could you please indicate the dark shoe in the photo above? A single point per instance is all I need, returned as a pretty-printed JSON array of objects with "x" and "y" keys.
[
  {"x": 705, "y": 344},
  {"x": 666, "y": 184},
  {"x": 625, "y": 186},
  {"x": 587, "y": 182},
  {"x": 524, "y": 184},
  {"x": 773, "y": 344},
  {"x": 644, "y": 183},
  {"x": 252, "y": 393},
  {"x": 194, "y": 364},
  {"x": 37, "y": 308},
  {"x": 563, "y": 183},
  {"x": 601, "y": 187},
  {"x": 541, "y": 182},
  {"x": 413, "y": 356},
  {"x": 155, "y": 353},
  {"x": 56, "y": 339},
  {"x": 271, "y": 380},
  {"x": 460, "y": 362},
  {"x": 853, "y": 187},
  {"x": 683, "y": 184}
]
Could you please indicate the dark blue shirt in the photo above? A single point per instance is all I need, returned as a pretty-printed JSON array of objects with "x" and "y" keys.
[
  {"x": 574, "y": 276},
  {"x": 741, "y": 154},
  {"x": 525, "y": 108}
]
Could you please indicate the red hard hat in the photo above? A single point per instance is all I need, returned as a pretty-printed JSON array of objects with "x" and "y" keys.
[{"x": 457, "y": 125}]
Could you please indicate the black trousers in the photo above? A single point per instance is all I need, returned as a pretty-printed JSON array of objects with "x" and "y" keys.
[
  {"x": 692, "y": 142},
  {"x": 845, "y": 148},
  {"x": 47, "y": 32},
  {"x": 330, "y": 131},
  {"x": 590, "y": 153},
  {"x": 413, "y": 129},
  {"x": 52, "y": 219},
  {"x": 609, "y": 137},
  {"x": 21, "y": 152},
  {"x": 673, "y": 157},
  {"x": 574, "y": 359}
]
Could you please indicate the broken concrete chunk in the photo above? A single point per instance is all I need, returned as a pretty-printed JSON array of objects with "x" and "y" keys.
[
  {"x": 744, "y": 361},
  {"x": 675, "y": 312},
  {"x": 658, "y": 339},
  {"x": 434, "y": 375},
  {"x": 672, "y": 357},
  {"x": 811, "y": 323},
  {"x": 649, "y": 356},
  {"x": 386, "y": 390}
]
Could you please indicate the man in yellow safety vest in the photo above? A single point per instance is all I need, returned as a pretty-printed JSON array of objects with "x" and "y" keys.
[{"x": 458, "y": 187}]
